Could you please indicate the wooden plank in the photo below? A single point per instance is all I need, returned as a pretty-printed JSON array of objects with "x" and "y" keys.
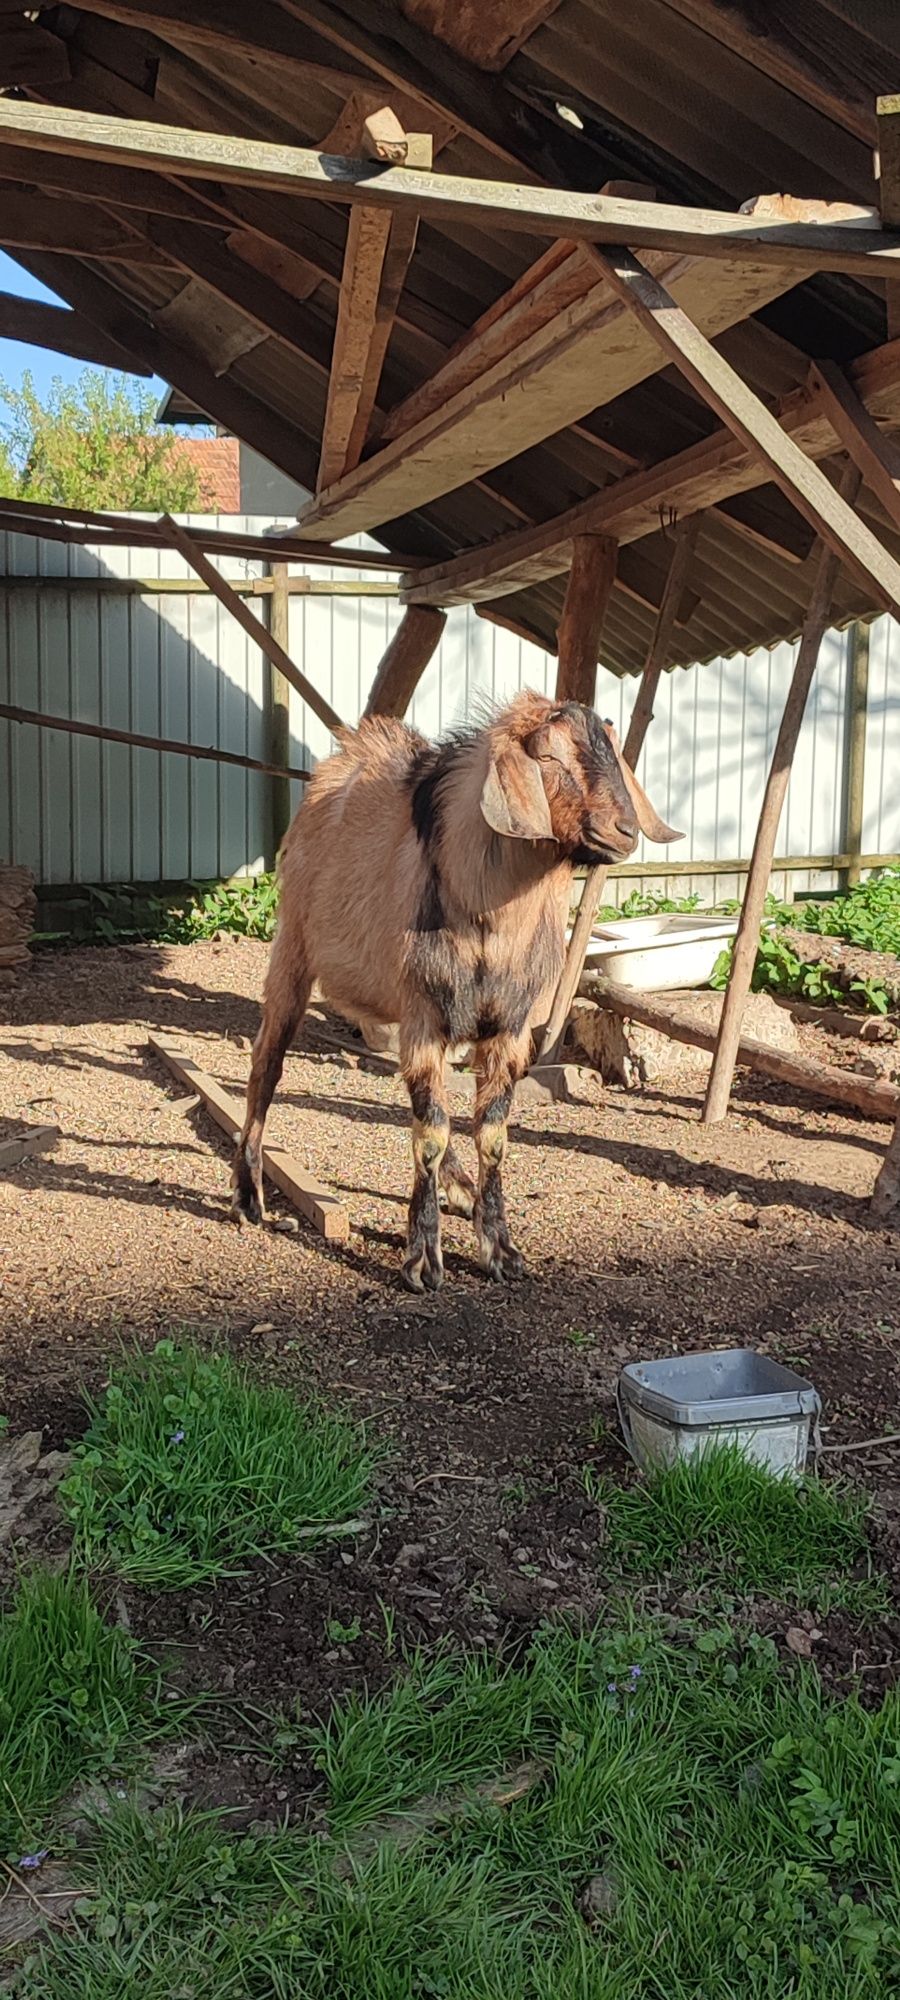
[
  {"x": 781, "y": 41},
  {"x": 108, "y": 735},
  {"x": 38, "y": 517},
  {"x": 403, "y": 663},
  {"x": 801, "y": 247},
  {"x": 184, "y": 542},
  {"x": 86, "y": 180},
  {"x": 877, "y": 456},
  {"x": 41, "y": 1139},
  {"x": 888, "y": 115},
  {"x": 40, "y": 325},
  {"x": 723, "y": 389},
  {"x": 590, "y": 585},
  {"x": 746, "y": 943},
  {"x": 71, "y": 229},
  {"x": 628, "y": 508},
  {"x": 877, "y": 1099},
  {"x": 322, "y": 1208},
  {"x": 367, "y": 240},
  {"x": 857, "y": 716},
  {"x": 574, "y": 361},
  {"x": 641, "y": 717}
]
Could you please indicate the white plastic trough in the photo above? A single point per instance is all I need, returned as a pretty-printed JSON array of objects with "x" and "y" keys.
[{"x": 661, "y": 954}]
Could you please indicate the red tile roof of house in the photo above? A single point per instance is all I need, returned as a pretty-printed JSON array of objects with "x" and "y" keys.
[{"x": 218, "y": 464}]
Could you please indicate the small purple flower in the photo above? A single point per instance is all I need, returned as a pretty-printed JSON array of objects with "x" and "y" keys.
[
  {"x": 177, "y": 1437},
  {"x": 611, "y": 1687},
  {"x": 635, "y": 1673},
  {"x": 34, "y": 1860}
]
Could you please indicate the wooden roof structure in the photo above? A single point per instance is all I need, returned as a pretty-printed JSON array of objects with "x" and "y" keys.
[
  {"x": 590, "y": 312},
  {"x": 508, "y": 384}
]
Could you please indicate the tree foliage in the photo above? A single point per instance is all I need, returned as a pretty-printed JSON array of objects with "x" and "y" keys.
[{"x": 93, "y": 443}]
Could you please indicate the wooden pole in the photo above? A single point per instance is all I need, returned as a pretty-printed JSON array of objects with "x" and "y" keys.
[
  {"x": 886, "y": 1198},
  {"x": 857, "y": 716},
  {"x": 874, "y": 1096},
  {"x": 175, "y": 749},
  {"x": 279, "y": 706},
  {"x": 746, "y": 943},
  {"x": 591, "y": 579},
  {"x": 641, "y": 716},
  {"x": 268, "y": 644},
  {"x": 401, "y": 667}
]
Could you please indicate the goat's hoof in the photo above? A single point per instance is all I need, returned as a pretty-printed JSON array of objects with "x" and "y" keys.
[
  {"x": 423, "y": 1270},
  {"x": 500, "y": 1261},
  {"x": 247, "y": 1205}
]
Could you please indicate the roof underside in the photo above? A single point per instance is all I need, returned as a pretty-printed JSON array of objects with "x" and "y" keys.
[{"x": 709, "y": 101}]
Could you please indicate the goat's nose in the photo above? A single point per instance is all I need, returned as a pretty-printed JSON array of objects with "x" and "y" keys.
[{"x": 628, "y": 828}]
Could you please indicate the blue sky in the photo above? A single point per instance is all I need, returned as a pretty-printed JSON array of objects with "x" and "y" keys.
[{"x": 16, "y": 356}]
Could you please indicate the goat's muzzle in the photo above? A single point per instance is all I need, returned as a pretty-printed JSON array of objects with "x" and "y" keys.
[{"x": 609, "y": 843}]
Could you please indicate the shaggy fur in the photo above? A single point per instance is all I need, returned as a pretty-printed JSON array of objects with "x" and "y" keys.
[{"x": 428, "y": 885}]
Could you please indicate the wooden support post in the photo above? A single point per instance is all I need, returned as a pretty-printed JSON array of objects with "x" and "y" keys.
[
  {"x": 888, "y": 115},
  {"x": 591, "y": 579},
  {"x": 746, "y": 943},
  {"x": 857, "y": 717},
  {"x": 401, "y": 667},
  {"x": 641, "y": 716},
  {"x": 279, "y": 705},
  {"x": 886, "y": 1198},
  {"x": 268, "y": 644}
]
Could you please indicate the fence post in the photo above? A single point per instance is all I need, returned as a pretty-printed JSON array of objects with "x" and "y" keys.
[
  {"x": 279, "y": 705},
  {"x": 855, "y": 752}
]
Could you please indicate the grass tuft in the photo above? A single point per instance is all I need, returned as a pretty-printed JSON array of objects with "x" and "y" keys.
[
  {"x": 718, "y": 1517},
  {"x": 75, "y": 1696},
  {"x": 189, "y": 1469},
  {"x": 740, "y": 1831}
]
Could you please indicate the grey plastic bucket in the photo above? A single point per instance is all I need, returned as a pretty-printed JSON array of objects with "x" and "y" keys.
[{"x": 690, "y": 1403}]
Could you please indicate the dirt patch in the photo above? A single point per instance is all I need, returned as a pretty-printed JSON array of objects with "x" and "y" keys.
[{"x": 644, "y": 1232}]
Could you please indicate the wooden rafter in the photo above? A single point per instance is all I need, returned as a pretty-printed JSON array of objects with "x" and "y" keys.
[
  {"x": 31, "y": 221},
  {"x": 801, "y": 247},
  {"x": 40, "y": 325},
  {"x": 716, "y": 468},
  {"x": 779, "y": 40},
  {"x": 805, "y": 484},
  {"x": 876, "y": 455}
]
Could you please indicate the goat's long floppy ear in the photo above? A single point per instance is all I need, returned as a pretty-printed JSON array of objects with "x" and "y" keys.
[
  {"x": 648, "y": 818},
  {"x": 513, "y": 800}
]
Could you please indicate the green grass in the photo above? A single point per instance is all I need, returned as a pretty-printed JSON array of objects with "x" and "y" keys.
[
  {"x": 747, "y": 1830},
  {"x": 189, "y": 1469},
  {"x": 75, "y": 1697},
  {"x": 719, "y": 1518}
]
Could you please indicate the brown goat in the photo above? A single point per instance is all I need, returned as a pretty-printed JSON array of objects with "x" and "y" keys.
[{"x": 428, "y": 884}]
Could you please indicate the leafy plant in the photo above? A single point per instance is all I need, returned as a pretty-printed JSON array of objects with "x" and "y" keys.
[
  {"x": 188, "y": 1469},
  {"x": 779, "y": 970},
  {"x": 94, "y": 443}
]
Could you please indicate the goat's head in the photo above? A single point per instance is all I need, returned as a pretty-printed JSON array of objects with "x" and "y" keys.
[{"x": 556, "y": 773}]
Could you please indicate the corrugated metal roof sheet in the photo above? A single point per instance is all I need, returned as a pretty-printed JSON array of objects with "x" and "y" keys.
[{"x": 710, "y": 101}]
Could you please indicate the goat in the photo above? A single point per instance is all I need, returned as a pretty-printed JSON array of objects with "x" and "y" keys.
[{"x": 428, "y": 884}]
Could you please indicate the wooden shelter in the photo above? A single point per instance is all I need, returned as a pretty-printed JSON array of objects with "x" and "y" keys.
[{"x": 590, "y": 313}]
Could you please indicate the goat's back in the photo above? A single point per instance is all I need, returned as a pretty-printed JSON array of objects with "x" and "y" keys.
[{"x": 350, "y": 875}]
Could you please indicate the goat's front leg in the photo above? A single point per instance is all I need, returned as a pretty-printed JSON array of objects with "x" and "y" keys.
[
  {"x": 498, "y": 1065},
  {"x": 423, "y": 1068}
]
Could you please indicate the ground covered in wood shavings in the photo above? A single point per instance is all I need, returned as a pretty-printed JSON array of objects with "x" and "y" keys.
[{"x": 644, "y": 1232}]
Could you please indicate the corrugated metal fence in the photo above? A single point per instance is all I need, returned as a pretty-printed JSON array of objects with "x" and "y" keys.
[{"x": 76, "y": 641}]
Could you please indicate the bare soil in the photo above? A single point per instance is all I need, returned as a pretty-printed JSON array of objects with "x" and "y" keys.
[{"x": 644, "y": 1233}]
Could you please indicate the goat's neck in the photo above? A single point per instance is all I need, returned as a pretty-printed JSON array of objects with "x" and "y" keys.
[{"x": 485, "y": 876}]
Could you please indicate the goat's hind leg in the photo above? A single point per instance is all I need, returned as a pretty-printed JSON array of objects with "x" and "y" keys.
[
  {"x": 287, "y": 991},
  {"x": 423, "y": 1069}
]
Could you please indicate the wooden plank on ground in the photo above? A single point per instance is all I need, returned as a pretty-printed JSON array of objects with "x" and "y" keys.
[
  {"x": 628, "y": 508},
  {"x": 322, "y": 1208},
  {"x": 41, "y": 1139},
  {"x": 875, "y": 1097},
  {"x": 746, "y": 415},
  {"x": 264, "y": 639}
]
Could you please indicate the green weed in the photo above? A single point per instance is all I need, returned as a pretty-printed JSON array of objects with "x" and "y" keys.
[{"x": 189, "y": 1469}]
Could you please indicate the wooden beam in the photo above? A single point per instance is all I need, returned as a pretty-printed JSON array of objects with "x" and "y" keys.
[
  {"x": 165, "y": 744},
  {"x": 402, "y": 665},
  {"x": 876, "y": 1098},
  {"x": 551, "y": 1042},
  {"x": 753, "y": 424},
  {"x": 590, "y": 585},
  {"x": 322, "y": 1208},
  {"x": 184, "y": 542},
  {"x": 746, "y": 944},
  {"x": 876, "y": 456},
  {"x": 84, "y": 524},
  {"x": 782, "y": 41},
  {"x": 39, "y": 325},
  {"x": 70, "y": 229},
  {"x": 255, "y": 294},
  {"x": 629, "y": 507},
  {"x": 857, "y": 718},
  {"x": 90, "y": 180},
  {"x": 801, "y": 248}
]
